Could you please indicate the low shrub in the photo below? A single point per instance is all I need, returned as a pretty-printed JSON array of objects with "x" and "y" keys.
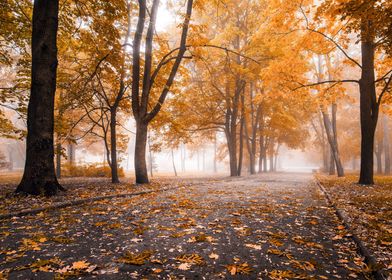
[{"x": 91, "y": 170}]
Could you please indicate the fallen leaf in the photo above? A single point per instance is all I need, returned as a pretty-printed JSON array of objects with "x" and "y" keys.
[
  {"x": 184, "y": 266},
  {"x": 213, "y": 256}
]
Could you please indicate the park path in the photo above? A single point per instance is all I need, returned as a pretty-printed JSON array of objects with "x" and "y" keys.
[{"x": 275, "y": 226}]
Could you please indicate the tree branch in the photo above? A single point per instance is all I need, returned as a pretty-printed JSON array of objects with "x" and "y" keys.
[{"x": 325, "y": 82}]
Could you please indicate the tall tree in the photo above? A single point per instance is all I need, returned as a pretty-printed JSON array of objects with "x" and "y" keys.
[
  {"x": 371, "y": 21},
  {"x": 143, "y": 85},
  {"x": 39, "y": 174}
]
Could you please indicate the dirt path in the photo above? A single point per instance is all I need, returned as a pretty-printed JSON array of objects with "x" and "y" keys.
[{"x": 261, "y": 227}]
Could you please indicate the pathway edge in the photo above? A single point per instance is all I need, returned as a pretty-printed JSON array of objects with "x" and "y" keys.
[{"x": 370, "y": 260}]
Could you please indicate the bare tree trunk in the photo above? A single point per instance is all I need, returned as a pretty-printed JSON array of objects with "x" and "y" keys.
[
  {"x": 151, "y": 157},
  {"x": 379, "y": 151},
  {"x": 387, "y": 153},
  {"x": 71, "y": 153},
  {"x": 204, "y": 159},
  {"x": 183, "y": 157},
  {"x": 39, "y": 175},
  {"x": 260, "y": 154},
  {"x": 113, "y": 145},
  {"x": 271, "y": 162},
  {"x": 331, "y": 163},
  {"x": 276, "y": 157},
  {"x": 140, "y": 153},
  {"x": 368, "y": 103},
  {"x": 215, "y": 155},
  {"x": 241, "y": 148},
  {"x": 174, "y": 164},
  {"x": 58, "y": 159},
  {"x": 198, "y": 160},
  {"x": 265, "y": 168},
  {"x": 333, "y": 144},
  {"x": 232, "y": 147},
  {"x": 265, "y": 162}
]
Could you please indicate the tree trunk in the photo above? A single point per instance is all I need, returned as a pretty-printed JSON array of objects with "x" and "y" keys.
[
  {"x": 71, "y": 153},
  {"x": 204, "y": 159},
  {"x": 231, "y": 145},
  {"x": 271, "y": 162},
  {"x": 241, "y": 148},
  {"x": 39, "y": 175},
  {"x": 140, "y": 153},
  {"x": 368, "y": 105},
  {"x": 58, "y": 159},
  {"x": 335, "y": 138},
  {"x": 387, "y": 153},
  {"x": 276, "y": 157},
  {"x": 113, "y": 146},
  {"x": 261, "y": 152},
  {"x": 265, "y": 168},
  {"x": 215, "y": 155},
  {"x": 174, "y": 164},
  {"x": 150, "y": 157},
  {"x": 331, "y": 163},
  {"x": 183, "y": 157},
  {"x": 379, "y": 156},
  {"x": 333, "y": 144},
  {"x": 379, "y": 151},
  {"x": 327, "y": 157}
]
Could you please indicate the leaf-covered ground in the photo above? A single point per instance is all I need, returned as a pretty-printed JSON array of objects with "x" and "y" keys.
[
  {"x": 369, "y": 210},
  {"x": 275, "y": 227},
  {"x": 77, "y": 188}
]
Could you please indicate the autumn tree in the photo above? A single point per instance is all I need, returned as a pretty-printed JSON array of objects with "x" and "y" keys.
[
  {"x": 144, "y": 86},
  {"x": 39, "y": 174},
  {"x": 371, "y": 21}
]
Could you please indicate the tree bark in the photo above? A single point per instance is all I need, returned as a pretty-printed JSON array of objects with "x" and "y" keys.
[
  {"x": 174, "y": 164},
  {"x": 241, "y": 147},
  {"x": 331, "y": 163},
  {"x": 271, "y": 156},
  {"x": 71, "y": 153},
  {"x": 276, "y": 157},
  {"x": 39, "y": 175},
  {"x": 232, "y": 147},
  {"x": 113, "y": 145},
  {"x": 215, "y": 155},
  {"x": 140, "y": 154},
  {"x": 183, "y": 157},
  {"x": 261, "y": 152},
  {"x": 378, "y": 153},
  {"x": 58, "y": 159},
  {"x": 368, "y": 104},
  {"x": 387, "y": 153},
  {"x": 333, "y": 144},
  {"x": 151, "y": 165}
]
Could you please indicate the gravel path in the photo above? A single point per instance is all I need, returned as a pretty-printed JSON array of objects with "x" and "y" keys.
[{"x": 275, "y": 226}]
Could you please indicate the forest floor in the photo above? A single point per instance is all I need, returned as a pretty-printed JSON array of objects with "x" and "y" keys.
[
  {"x": 275, "y": 226},
  {"x": 368, "y": 211}
]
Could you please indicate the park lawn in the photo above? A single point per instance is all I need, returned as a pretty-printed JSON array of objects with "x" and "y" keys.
[{"x": 369, "y": 210}]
